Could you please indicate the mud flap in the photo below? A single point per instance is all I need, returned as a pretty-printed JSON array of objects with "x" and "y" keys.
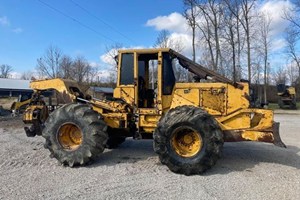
[{"x": 277, "y": 140}]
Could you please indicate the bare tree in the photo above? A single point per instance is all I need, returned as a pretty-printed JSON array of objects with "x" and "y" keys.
[
  {"x": 292, "y": 39},
  {"x": 247, "y": 6},
  {"x": 239, "y": 38},
  {"x": 257, "y": 69},
  {"x": 81, "y": 69},
  {"x": 164, "y": 40},
  {"x": 5, "y": 71},
  {"x": 233, "y": 34},
  {"x": 54, "y": 64},
  {"x": 265, "y": 47},
  {"x": 112, "y": 53},
  {"x": 293, "y": 35},
  {"x": 280, "y": 76},
  {"x": 66, "y": 67},
  {"x": 191, "y": 14},
  {"x": 293, "y": 15},
  {"x": 94, "y": 75},
  {"x": 211, "y": 11},
  {"x": 27, "y": 75},
  {"x": 290, "y": 72},
  {"x": 245, "y": 20},
  {"x": 111, "y": 79},
  {"x": 207, "y": 39},
  {"x": 230, "y": 37},
  {"x": 49, "y": 64}
]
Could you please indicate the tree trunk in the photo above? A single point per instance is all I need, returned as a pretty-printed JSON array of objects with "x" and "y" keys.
[
  {"x": 248, "y": 54},
  {"x": 265, "y": 81},
  {"x": 193, "y": 43},
  {"x": 233, "y": 54},
  {"x": 239, "y": 48},
  {"x": 218, "y": 51}
]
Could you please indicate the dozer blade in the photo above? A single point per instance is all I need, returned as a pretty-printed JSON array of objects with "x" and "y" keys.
[{"x": 277, "y": 139}]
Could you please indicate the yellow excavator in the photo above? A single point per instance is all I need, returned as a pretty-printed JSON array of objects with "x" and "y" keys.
[{"x": 188, "y": 121}]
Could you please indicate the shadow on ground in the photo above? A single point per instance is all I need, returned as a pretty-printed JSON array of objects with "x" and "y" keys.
[
  {"x": 246, "y": 155},
  {"x": 130, "y": 151},
  {"x": 236, "y": 156},
  {"x": 4, "y": 112}
]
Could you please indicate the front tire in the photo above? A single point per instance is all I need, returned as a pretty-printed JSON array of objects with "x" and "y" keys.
[
  {"x": 188, "y": 140},
  {"x": 75, "y": 134}
]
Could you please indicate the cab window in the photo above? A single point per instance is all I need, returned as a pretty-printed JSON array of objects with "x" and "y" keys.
[{"x": 127, "y": 69}]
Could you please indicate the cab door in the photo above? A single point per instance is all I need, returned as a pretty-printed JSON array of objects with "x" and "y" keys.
[
  {"x": 126, "y": 82},
  {"x": 147, "y": 91}
]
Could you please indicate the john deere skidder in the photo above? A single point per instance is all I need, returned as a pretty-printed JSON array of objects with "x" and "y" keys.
[{"x": 189, "y": 122}]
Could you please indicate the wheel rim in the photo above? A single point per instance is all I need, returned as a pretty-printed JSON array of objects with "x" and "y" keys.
[
  {"x": 186, "y": 141},
  {"x": 70, "y": 136}
]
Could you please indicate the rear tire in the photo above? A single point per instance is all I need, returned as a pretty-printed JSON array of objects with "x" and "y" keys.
[
  {"x": 75, "y": 134},
  {"x": 200, "y": 140}
]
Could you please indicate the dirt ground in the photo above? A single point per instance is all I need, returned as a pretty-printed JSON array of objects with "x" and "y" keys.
[
  {"x": 6, "y": 102},
  {"x": 246, "y": 170}
]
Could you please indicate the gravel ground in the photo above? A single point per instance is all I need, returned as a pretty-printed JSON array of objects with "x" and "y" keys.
[{"x": 247, "y": 170}]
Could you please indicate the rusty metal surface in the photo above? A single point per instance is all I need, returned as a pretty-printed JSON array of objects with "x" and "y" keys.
[
  {"x": 113, "y": 106},
  {"x": 268, "y": 135}
]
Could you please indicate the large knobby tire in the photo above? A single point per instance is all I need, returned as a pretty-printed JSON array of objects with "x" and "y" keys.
[
  {"x": 75, "y": 134},
  {"x": 188, "y": 140}
]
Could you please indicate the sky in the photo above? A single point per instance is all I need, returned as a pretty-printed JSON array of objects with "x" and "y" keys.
[{"x": 29, "y": 27}]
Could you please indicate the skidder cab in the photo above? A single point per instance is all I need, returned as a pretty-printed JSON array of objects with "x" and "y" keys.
[{"x": 189, "y": 121}]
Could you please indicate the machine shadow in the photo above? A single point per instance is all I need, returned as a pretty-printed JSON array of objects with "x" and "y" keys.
[
  {"x": 243, "y": 156},
  {"x": 235, "y": 157},
  {"x": 130, "y": 151}
]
